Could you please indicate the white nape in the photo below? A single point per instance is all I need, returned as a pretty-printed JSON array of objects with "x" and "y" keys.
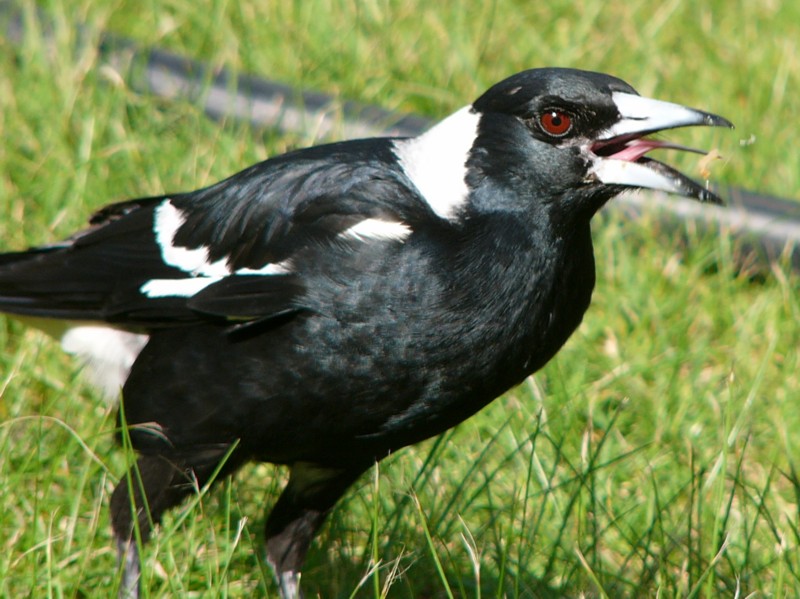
[{"x": 436, "y": 161}]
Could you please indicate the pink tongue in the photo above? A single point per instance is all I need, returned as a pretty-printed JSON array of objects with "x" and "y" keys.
[{"x": 637, "y": 148}]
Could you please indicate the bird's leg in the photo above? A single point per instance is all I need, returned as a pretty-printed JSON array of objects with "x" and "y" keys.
[
  {"x": 301, "y": 509},
  {"x": 154, "y": 485},
  {"x": 138, "y": 502},
  {"x": 128, "y": 557},
  {"x": 289, "y": 585}
]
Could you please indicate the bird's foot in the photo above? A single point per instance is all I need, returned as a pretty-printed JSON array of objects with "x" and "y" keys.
[
  {"x": 289, "y": 585},
  {"x": 128, "y": 556}
]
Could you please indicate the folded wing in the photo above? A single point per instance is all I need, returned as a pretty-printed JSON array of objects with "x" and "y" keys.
[{"x": 237, "y": 250}]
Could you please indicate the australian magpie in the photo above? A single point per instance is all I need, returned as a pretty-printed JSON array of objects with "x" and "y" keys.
[{"x": 334, "y": 304}]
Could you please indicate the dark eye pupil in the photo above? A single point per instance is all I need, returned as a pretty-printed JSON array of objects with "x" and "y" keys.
[{"x": 555, "y": 123}]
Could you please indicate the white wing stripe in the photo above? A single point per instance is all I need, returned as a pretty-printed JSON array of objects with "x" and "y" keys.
[
  {"x": 176, "y": 287},
  {"x": 378, "y": 229},
  {"x": 278, "y": 268},
  {"x": 168, "y": 219}
]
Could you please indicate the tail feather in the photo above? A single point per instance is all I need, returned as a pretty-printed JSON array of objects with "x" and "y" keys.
[
  {"x": 40, "y": 283},
  {"x": 95, "y": 275}
]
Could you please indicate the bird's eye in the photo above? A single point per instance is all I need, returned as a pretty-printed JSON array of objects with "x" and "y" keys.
[{"x": 555, "y": 123}]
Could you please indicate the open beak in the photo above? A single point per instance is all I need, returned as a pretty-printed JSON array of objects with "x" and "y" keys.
[{"x": 620, "y": 151}]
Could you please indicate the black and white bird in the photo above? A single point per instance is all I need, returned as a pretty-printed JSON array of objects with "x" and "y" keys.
[{"x": 334, "y": 304}]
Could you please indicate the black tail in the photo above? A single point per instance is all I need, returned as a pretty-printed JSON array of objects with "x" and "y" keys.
[
  {"x": 42, "y": 282},
  {"x": 95, "y": 275}
]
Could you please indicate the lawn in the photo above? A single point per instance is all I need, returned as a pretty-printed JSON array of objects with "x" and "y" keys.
[{"x": 655, "y": 456}]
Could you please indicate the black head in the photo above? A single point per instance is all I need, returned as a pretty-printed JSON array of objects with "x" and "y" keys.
[
  {"x": 585, "y": 96},
  {"x": 577, "y": 137}
]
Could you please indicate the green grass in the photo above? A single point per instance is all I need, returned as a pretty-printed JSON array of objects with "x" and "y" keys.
[{"x": 655, "y": 456}]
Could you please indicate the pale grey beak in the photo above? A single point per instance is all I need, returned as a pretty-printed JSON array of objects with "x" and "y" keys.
[{"x": 620, "y": 150}]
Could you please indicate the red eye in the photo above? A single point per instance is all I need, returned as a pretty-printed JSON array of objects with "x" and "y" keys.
[{"x": 555, "y": 123}]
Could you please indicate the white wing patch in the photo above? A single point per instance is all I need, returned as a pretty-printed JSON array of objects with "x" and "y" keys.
[
  {"x": 177, "y": 287},
  {"x": 168, "y": 219},
  {"x": 193, "y": 285},
  {"x": 279, "y": 268},
  {"x": 202, "y": 273},
  {"x": 106, "y": 353},
  {"x": 378, "y": 229},
  {"x": 436, "y": 161}
]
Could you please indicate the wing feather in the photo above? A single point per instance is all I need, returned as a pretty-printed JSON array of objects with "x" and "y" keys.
[{"x": 219, "y": 252}]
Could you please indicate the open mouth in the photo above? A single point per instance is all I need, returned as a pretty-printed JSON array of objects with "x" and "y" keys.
[{"x": 621, "y": 152}]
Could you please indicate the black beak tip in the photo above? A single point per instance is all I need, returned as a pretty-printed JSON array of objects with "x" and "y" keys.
[
  {"x": 714, "y": 120},
  {"x": 710, "y": 197}
]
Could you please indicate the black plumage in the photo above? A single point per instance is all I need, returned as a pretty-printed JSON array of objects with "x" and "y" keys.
[{"x": 334, "y": 304}]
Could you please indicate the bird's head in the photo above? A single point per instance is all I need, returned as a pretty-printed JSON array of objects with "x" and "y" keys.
[{"x": 587, "y": 131}]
